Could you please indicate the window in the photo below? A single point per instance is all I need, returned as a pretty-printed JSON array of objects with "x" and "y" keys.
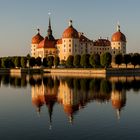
[
  {"x": 69, "y": 40},
  {"x": 69, "y": 45},
  {"x": 75, "y": 50},
  {"x": 69, "y": 50},
  {"x": 64, "y": 46},
  {"x": 64, "y": 50},
  {"x": 64, "y": 57},
  {"x": 119, "y": 43}
]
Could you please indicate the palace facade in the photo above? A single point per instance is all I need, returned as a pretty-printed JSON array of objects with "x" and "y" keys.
[{"x": 73, "y": 42}]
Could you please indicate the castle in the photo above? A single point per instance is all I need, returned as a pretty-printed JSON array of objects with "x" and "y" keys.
[{"x": 73, "y": 42}]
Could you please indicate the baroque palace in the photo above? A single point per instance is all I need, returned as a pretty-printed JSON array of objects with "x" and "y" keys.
[{"x": 73, "y": 42}]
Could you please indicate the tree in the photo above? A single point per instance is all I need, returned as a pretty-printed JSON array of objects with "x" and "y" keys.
[
  {"x": 135, "y": 59},
  {"x": 6, "y": 62},
  {"x": 127, "y": 59},
  {"x": 28, "y": 56},
  {"x": 63, "y": 62},
  {"x": 23, "y": 62},
  {"x": 85, "y": 60},
  {"x": 45, "y": 62},
  {"x": 38, "y": 61},
  {"x": 106, "y": 59},
  {"x": 94, "y": 60},
  {"x": 17, "y": 61},
  {"x": 32, "y": 62},
  {"x": 56, "y": 61},
  {"x": 76, "y": 61},
  {"x": 69, "y": 62},
  {"x": 118, "y": 59},
  {"x": 50, "y": 61}
]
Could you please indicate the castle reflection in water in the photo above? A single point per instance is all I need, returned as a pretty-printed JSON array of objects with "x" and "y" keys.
[{"x": 73, "y": 93}]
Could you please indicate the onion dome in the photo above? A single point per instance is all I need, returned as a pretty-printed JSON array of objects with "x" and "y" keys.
[
  {"x": 37, "y": 38},
  {"x": 70, "y": 32},
  {"x": 118, "y": 36},
  {"x": 46, "y": 43}
]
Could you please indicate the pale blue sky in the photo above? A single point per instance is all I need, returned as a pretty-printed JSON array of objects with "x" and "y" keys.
[{"x": 20, "y": 18}]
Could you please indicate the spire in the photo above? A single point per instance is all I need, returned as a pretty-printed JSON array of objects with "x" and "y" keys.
[
  {"x": 50, "y": 111},
  {"x": 50, "y": 36},
  {"x": 118, "y": 27},
  {"x": 49, "y": 27}
]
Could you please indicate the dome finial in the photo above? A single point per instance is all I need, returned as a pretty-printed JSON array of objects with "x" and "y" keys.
[
  {"x": 118, "y": 26},
  {"x": 70, "y": 23},
  {"x": 38, "y": 30}
]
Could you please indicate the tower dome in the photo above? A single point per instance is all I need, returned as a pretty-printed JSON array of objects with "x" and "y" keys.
[
  {"x": 118, "y": 36},
  {"x": 37, "y": 38},
  {"x": 70, "y": 32}
]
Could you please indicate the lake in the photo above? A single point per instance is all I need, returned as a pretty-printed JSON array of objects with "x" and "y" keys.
[{"x": 73, "y": 108}]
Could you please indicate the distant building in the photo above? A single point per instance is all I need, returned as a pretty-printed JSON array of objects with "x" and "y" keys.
[{"x": 73, "y": 42}]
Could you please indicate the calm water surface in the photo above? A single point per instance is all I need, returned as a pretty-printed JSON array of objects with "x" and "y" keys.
[{"x": 72, "y": 108}]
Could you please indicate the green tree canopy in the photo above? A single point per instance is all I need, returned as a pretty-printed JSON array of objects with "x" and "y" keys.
[
  {"x": 17, "y": 61},
  {"x": 38, "y": 61},
  {"x": 50, "y": 61},
  {"x": 106, "y": 59},
  {"x": 94, "y": 60},
  {"x": 23, "y": 62},
  {"x": 118, "y": 59},
  {"x": 85, "y": 60},
  {"x": 32, "y": 62},
  {"x": 135, "y": 59},
  {"x": 69, "y": 62},
  {"x": 76, "y": 61},
  {"x": 56, "y": 61},
  {"x": 127, "y": 59},
  {"x": 45, "y": 62}
]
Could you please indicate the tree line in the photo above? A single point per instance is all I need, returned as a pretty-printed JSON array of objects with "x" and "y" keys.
[
  {"x": 126, "y": 59},
  {"x": 77, "y": 61}
]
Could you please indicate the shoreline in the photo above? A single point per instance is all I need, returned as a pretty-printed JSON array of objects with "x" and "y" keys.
[{"x": 74, "y": 71}]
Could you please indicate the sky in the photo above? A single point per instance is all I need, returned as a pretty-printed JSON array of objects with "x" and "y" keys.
[{"x": 19, "y": 20}]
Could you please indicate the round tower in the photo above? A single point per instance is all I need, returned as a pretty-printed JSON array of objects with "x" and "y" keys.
[
  {"x": 35, "y": 41},
  {"x": 118, "y": 42},
  {"x": 70, "y": 42}
]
